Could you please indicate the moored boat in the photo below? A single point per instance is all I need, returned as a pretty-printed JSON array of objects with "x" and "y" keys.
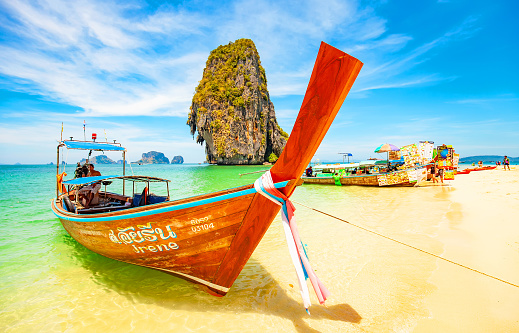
[
  {"x": 368, "y": 173},
  {"x": 480, "y": 168},
  {"x": 206, "y": 239}
]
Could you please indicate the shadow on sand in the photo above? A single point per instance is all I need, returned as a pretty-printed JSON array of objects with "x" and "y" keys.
[{"x": 255, "y": 290}]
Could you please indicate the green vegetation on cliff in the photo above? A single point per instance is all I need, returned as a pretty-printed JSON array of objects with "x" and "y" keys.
[{"x": 227, "y": 62}]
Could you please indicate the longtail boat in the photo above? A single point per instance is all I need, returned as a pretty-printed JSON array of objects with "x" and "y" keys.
[
  {"x": 483, "y": 168},
  {"x": 205, "y": 239},
  {"x": 359, "y": 174}
]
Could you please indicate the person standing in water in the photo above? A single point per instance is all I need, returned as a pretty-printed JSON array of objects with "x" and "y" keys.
[
  {"x": 506, "y": 163},
  {"x": 337, "y": 179}
]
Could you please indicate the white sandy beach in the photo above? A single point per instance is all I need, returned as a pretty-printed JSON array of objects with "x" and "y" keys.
[
  {"x": 384, "y": 286},
  {"x": 482, "y": 232}
]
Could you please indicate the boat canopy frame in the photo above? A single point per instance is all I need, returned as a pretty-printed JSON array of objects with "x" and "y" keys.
[{"x": 90, "y": 146}]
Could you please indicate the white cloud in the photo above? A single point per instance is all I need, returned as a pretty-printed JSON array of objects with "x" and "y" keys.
[
  {"x": 37, "y": 143},
  {"x": 89, "y": 53},
  {"x": 99, "y": 57},
  {"x": 488, "y": 100},
  {"x": 125, "y": 59}
]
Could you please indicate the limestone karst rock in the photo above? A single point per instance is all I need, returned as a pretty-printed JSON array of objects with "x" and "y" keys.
[
  {"x": 99, "y": 159},
  {"x": 232, "y": 111},
  {"x": 153, "y": 157},
  {"x": 177, "y": 160}
]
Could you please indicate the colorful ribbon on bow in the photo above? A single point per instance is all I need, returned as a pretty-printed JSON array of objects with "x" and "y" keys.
[{"x": 265, "y": 186}]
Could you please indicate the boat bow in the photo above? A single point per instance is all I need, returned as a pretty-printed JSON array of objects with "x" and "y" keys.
[{"x": 332, "y": 78}]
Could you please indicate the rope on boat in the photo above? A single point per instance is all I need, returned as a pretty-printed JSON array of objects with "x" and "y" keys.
[
  {"x": 66, "y": 161},
  {"x": 410, "y": 246},
  {"x": 130, "y": 163},
  {"x": 265, "y": 186},
  {"x": 248, "y": 173},
  {"x": 63, "y": 160}
]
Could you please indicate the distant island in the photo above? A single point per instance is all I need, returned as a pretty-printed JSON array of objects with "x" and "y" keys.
[
  {"x": 177, "y": 160},
  {"x": 99, "y": 159},
  {"x": 153, "y": 157},
  {"x": 488, "y": 159}
]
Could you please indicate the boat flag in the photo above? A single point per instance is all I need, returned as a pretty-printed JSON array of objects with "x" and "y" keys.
[
  {"x": 106, "y": 139},
  {"x": 84, "y": 130},
  {"x": 61, "y": 138}
]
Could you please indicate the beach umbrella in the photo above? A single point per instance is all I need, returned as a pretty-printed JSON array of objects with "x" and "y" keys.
[
  {"x": 386, "y": 147},
  {"x": 344, "y": 155}
]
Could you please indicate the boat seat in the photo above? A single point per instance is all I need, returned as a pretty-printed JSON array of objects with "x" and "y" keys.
[
  {"x": 141, "y": 199},
  {"x": 154, "y": 199},
  {"x": 151, "y": 199}
]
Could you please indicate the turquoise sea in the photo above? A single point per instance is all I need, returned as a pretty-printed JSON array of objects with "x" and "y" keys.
[
  {"x": 50, "y": 283},
  {"x": 38, "y": 257}
]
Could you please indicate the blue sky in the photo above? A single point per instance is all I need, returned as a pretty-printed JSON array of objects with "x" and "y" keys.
[{"x": 442, "y": 70}]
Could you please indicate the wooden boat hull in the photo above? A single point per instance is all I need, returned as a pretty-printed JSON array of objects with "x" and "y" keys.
[
  {"x": 366, "y": 180},
  {"x": 399, "y": 178},
  {"x": 485, "y": 168},
  {"x": 188, "y": 238},
  {"x": 480, "y": 168}
]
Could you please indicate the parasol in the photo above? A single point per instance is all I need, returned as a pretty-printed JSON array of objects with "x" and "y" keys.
[
  {"x": 344, "y": 155},
  {"x": 386, "y": 147}
]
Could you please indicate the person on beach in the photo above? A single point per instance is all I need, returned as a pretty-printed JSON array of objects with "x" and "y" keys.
[
  {"x": 433, "y": 174},
  {"x": 81, "y": 170},
  {"x": 92, "y": 172},
  {"x": 440, "y": 173},
  {"x": 506, "y": 163},
  {"x": 78, "y": 173},
  {"x": 309, "y": 172},
  {"x": 337, "y": 179}
]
